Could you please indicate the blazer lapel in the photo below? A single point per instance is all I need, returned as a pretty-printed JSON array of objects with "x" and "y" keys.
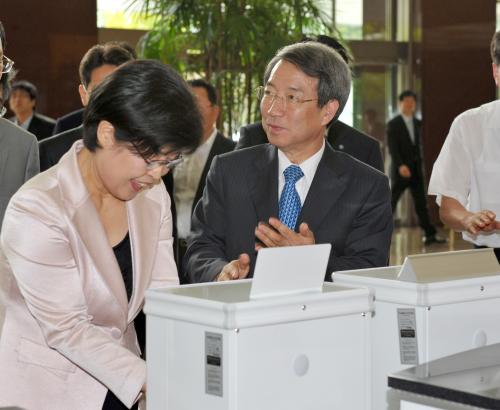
[
  {"x": 328, "y": 184},
  {"x": 88, "y": 227},
  {"x": 416, "y": 131},
  {"x": 263, "y": 184},
  {"x": 144, "y": 232},
  {"x": 406, "y": 132}
]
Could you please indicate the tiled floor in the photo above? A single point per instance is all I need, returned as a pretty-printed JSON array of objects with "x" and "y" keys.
[{"x": 408, "y": 241}]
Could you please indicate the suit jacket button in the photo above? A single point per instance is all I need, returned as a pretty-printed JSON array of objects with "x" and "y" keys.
[{"x": 116, "y": 333}]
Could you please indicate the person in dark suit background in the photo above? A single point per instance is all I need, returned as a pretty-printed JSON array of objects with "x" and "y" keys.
[
  {"x": 404, "y": 141},
  {"x": 22, "y": 102},
  {"x": 97, "y": 63},
  {"x": 75, "y": 118},
  {"x": 69, "y": 121},
  {"x": 341, "y": 136},
  {"x": 336, "y": 199},
  {"x": 189, "y": 176}
]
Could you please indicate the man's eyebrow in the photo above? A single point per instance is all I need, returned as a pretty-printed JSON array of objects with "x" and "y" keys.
[{"x": 290, "y": 88}]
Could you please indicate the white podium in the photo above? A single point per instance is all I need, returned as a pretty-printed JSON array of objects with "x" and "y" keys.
[
  {"x": 210, "y": 347},
  {"x": 432, "y": 306}
]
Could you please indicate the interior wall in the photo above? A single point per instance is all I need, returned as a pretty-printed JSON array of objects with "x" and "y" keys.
[{"x": 47, "y": 40}]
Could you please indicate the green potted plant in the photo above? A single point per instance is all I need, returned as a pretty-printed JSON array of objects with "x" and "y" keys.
[{"x": 228, "y": 43}]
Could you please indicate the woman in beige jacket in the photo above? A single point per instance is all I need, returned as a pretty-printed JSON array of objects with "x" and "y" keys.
[{"x": 82, "y": 242}]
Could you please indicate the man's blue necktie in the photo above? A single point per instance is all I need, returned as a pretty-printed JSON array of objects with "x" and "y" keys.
[{"x": 290, "y": 200}]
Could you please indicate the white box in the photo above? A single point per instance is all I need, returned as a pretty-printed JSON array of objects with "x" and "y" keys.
[
  {"x": 210, "y": 347},
  {"x": 450, "y": 315}
]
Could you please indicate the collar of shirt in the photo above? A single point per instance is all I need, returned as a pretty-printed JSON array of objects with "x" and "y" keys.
[
  {"x": 25, "y": 124},
  {"x": 308, "y": 167},
  {"x": 207, "y": 145},
  {"x": 407, "y": 119}
]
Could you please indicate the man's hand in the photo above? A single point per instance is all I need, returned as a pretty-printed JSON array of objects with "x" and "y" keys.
[
  {"x": 236, "y": 269},
  {"x": 404, "y": 171},
  {"x": 482, "y": 221},
  {"x": 278, "y": 234}
]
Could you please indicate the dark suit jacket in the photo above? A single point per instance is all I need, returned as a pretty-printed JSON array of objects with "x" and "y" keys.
[
  {"x": 53, "y": 148},
  {"x": 348, "y": 205},
  {"x": 40, "y": 126},
  {"x": 341, "y": 137},
  {"x": 221, "y": 145},
  {"x": 69, "y": 121},
  {"x": 402, "y": 148}
]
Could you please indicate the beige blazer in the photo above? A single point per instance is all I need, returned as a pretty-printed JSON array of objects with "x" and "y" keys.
[{"x": 68, "y": 334}]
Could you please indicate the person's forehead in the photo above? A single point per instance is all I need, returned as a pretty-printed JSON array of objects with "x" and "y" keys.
[
  {"x": 292, "y": 76},
  {"x": 408, "y": 98},
  {"x": 98, "y": 74},
  {"x": 20, "y": 92}
]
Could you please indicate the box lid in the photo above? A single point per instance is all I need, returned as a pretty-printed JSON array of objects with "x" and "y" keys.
[
  {"x": 431, "y": 279},
  {"x": 227, "y": 305}
]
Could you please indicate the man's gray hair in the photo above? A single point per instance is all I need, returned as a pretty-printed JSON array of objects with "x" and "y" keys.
[
  {"x": 495, "y": 48},
  {"x": 322, "y": 62}
]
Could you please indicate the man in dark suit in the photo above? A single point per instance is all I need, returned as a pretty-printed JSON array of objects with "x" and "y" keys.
[
  {"x": 97, "y": 63},
  {"x": 22, "y": 102},
  {"x": 341, "y": 136},
  {"x": 403, "y": 138},
  {"x": 189, "y": 177},
  {"x": 320, "y": 195}
]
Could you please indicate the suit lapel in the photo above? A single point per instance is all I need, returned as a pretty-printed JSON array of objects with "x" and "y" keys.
[
  {"x": 263, "y": 184},
  {"x": 405, "y": 131},
  {"x": 34, "y": 126},
  {"x": 93, "y": 237},
  {"x": 328, "y": 184},
  {"x": 416, "y": 131},
  {"x": 144, "y": 232},
  {"x": 88, "y": 227}
]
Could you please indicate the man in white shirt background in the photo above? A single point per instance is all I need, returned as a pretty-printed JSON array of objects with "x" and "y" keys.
[
  {"x": 405, "y": 146},
  {"x": 190, "y": 175},
  {"x": 466, "y": 175}
]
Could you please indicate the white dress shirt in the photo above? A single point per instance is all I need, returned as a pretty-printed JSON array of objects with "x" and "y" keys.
[
  {"x": 410, "y": 126},
  {"x": 26, "y": 124},
  {"x": 468, "y": 167},
  {"x": 308, "y": 167},
  {"x": 186, "y": 180}
]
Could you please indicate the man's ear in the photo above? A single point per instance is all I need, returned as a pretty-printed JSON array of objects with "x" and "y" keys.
[
  {"x": 84, "y": 95},
  {"x": 106, "y": 134},
  {"x": 329, "y": 111},
  {"x": 496, "y": 75}
]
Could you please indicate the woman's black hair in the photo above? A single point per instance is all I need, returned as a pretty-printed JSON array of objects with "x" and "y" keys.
[{"x": 150, "y": 106}]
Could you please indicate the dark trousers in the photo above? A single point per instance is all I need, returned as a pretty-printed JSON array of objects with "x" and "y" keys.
[{"x": 416, "y": 185}]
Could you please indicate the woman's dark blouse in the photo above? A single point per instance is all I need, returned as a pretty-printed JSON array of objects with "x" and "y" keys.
[{"x": 123, "y": 256}]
